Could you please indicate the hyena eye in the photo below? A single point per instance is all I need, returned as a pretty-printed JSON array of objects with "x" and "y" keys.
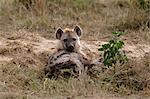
[
  {"x": 65, "y": 40},
  {"x": 74, "y": 39}
]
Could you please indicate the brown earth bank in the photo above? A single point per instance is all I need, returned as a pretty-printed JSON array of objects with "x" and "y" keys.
[
  {"x": 24, "y": 55},
  {"x": 33, "y": 46}
]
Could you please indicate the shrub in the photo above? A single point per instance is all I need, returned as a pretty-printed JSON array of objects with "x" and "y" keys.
[{"x": 112, "y": 53}]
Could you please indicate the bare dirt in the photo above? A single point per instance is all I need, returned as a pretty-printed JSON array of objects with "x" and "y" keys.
[{"x": 35, "y": 45}]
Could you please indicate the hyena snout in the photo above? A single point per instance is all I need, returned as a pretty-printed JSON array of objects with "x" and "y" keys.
[{"x": 70, "y": 47}]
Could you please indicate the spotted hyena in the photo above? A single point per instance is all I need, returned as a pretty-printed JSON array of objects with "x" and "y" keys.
[{"x": 68, "y": 55}]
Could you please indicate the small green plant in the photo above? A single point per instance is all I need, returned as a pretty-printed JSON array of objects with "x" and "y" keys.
[{"x": 112, "y": 53}]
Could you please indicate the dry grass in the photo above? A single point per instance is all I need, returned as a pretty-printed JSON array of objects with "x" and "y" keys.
[
  {"x": 19, "y": 81},
  {"x": 130, "y": 78},
  {"x": 98, "y": 18}
]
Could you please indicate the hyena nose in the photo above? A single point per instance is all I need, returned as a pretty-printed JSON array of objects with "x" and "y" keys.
[{"x": 71, "y": 47}]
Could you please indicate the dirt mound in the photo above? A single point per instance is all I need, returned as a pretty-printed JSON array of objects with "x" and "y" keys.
[
  {"x": 21, "y": 52},
  {"x": 31, "y": 50}
]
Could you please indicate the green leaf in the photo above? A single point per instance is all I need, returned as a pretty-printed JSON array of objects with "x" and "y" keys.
[
  {"x": 111, "y": 41},
  {"x": 107, "y": 62},
  {"x": 106, "y": 46},
  {"x": 120, "y": 44},
  {"x": 117, "y": 33},
  {"x": 106, "y": 54},
  {"x": 101, "y": 49}
]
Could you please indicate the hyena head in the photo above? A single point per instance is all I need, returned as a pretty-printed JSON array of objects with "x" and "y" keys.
[{"x": 69, "y": 38}]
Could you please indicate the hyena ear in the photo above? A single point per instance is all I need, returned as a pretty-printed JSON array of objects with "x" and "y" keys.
[
  {"x": 78, "y": 30},
  {"x": 59, "y": 33}
]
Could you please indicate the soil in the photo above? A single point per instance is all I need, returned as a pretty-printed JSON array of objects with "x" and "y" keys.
[{"x": 32, "y": 50}]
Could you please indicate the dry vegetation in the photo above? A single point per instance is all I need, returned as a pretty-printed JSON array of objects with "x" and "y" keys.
[
  {"x": 23, "y": 24},
  {"x": 97, "y": 17}
]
